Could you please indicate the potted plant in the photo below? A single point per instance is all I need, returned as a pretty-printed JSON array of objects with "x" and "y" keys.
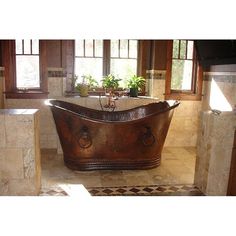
[
  {"x": 135, "y": 84},
  {"x": 73, "y": 83},
  {"x": 88, "y": 82},
  {"x": 110, "y": 82}
]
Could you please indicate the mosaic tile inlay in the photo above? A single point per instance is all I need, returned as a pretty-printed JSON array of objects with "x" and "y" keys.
[{"x": 149, "y": 190}]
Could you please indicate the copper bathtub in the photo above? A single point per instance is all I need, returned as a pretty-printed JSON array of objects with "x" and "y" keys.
[{"x": 130, "y": 139}]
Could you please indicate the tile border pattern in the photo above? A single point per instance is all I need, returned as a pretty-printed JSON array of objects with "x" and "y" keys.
[{"x": 150, "y": 190}]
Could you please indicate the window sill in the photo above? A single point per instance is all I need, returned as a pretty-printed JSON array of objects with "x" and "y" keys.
[
  {"x": 183, "y": 97},
  {"x": 27, "y": 95}
]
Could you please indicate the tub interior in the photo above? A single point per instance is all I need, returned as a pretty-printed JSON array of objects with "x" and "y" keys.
[{"x": 125, "y": 115}]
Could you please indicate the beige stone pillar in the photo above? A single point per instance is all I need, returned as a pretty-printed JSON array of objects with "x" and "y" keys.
[
  {"x": 20, "y": 168},
  {"x": 214, "y": 152}
]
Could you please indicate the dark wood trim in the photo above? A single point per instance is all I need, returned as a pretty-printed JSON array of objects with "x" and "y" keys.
[
  {"x": 144, "y": 57},
  {"x": 43, "y": 66},
  {"x": 195, "y": 93},
  {"x": 232, "y": 174},
  {"x": 183, "y": 97},
  {"x": 68, "y": 54},
  {"x": 106, "y": 57},
  {"x": 27, "y": 95},
  {"x": 168, "y": 68},
  {"x": 9, "y": 62}
]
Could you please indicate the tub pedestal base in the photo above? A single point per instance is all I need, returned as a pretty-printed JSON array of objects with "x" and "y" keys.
[{"x": 111, "y": 165}]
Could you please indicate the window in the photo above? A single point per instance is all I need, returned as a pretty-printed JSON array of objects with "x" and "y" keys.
[
  {"x": 25, "y": 68},
  {"x": 123, "y": 60},
  {"x": 27, "y": 64},
  {"x": 183, "y": 75},
  {"x": 89, "y": 58},
  {"x": 101, "y": 57}
]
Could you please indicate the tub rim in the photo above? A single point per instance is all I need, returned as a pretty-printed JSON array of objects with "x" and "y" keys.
[{"x": 175, "y": 104}]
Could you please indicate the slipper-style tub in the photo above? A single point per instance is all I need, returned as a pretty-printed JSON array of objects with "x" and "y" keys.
[{"x": 129, "y": 139}]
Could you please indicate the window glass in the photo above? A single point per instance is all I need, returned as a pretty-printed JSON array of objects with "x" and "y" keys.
[
  {"x": 133, "y": 45},
  {"x": 182, "y": 49},
  {"x": 175, "y": 49},
  {"x": 27, "y": 46},
  {"x": 181, "y": 74},
  {"x": 190, "y": 50},
  {"x": 27, "y": 68},
  {"x": 89, "y": 48},
  {"x": 79, "y": 48},
  {"x": 98, "y": 48},
  {"x": 35, "y": 46},
  {"x": 114, "y": 48},
  {"x": 124, "y": 48},
  {"x": 19, "y": 49},
  {"x": 182, "y": 65},
  {"x": 123, "y": 69},
  {"x": 88, "y": 66}
]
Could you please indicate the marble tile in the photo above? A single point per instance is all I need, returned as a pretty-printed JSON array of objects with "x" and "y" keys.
[{"x": 174, "y": 169}]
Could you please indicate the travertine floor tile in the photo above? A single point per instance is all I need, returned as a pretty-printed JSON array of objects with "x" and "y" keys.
[{"x": 177, "y": 167}]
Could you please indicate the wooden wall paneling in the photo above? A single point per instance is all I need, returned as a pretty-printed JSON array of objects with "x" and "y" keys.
[
  {"x": 54, "y": 57},
  {"x": 8, "y": 49},
  {"x": 67, "y": 60},
  {"x": 106, "y": 57},
  {"x": 43, "y": 65},
  {"x": 232, "y": 175},
  {"x": 1, "y": 64},
  {"x": 144, "y": 57},
  {"x": 159, "y": 54}
]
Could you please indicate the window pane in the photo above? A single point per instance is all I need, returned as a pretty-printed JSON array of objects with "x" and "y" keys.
[
  {"x": 124, "y": 48},
  {"x": 27, "y": 72},
  {"x": 27, "y": 46},
  {"x": 89, "y": 48},
  {"x": 123, "y": 69},
  {"x": 35, "y": 46},
  {"x": 181, "y": 74},
  {"x": 79, "y": 48},
  {"x": 133, "y": 48},
  {"x": 114, "y": 48},
  {"x": 190, "y": 50},
  {"x": 175, "y": 49},
  {"x": 183, "y": 49},
  {"x": 19, "y": 46},
  {"x": 88, "y": 66},
  {"x": 98, "y": 48}
]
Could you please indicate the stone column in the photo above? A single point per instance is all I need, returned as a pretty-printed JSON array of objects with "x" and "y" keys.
[
  {"x": 155, "y": 85},
  {"x": 20, "y": 168},
  {"x": 214, "y": 152}
]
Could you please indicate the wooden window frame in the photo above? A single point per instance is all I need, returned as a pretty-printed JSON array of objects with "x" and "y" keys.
[
  {"x": 107, "y": 57},
  {"x": 9, "y": 62},
  {"x": 196, "y": 91}
]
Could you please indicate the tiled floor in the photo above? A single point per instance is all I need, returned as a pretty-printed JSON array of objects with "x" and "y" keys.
[{"x": 177, "y": 168}]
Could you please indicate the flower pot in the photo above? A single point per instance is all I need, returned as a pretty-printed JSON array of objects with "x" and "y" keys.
[
  {"x": 83, "y": 90},
  {"x": 133, "y": 92}
]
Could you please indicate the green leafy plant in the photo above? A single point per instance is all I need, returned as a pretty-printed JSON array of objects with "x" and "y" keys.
[
  {"x": 136, "y": 82},
  {"x": 110, "y": 81},
  {"x": 90, "y": 81},
  {"x": 74, "y": 82}
]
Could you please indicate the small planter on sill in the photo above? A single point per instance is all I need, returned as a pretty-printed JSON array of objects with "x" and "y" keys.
[
  {"x": 133, "y": 92},
  {"x": 135, "y": 84}
]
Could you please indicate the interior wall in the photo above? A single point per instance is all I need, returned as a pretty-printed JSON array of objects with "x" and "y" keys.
[
  {"x": 219, "y": 88},
  {"x": 183, "y": 129},
  {"x": 184, "y": 125}
]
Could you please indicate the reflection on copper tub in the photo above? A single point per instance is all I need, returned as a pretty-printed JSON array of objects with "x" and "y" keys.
[{"x": 130, "y": 139}]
